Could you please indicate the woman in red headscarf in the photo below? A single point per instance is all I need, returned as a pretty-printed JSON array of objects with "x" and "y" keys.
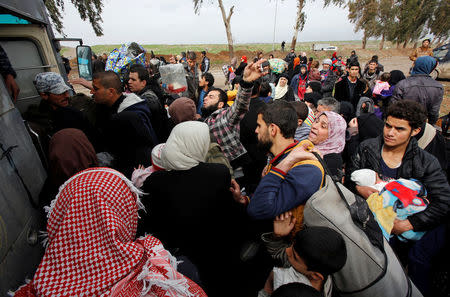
[{"x": 91, "y": 246}]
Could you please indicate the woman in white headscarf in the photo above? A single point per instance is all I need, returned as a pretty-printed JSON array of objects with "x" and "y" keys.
[
  {"x": 282, "y": 90},
  {"x": 191, "y": 209}
]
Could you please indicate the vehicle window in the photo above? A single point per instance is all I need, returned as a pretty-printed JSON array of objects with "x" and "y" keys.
[
  {"x": 11, "y": 19},
  {"x": 27, "y": 62},
  {"x": 440, "y": 54}
]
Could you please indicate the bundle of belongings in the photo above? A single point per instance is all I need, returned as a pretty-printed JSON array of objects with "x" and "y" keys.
[
  {"x": 396, "y": 199},
  {"x": 120, "y": 60}
]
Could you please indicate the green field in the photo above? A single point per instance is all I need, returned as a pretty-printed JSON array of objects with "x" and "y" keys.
[{"x": 166, "y": 49}]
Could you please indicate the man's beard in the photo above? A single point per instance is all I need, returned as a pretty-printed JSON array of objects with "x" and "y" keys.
[
  {"x": 264, "y": 145},
  {"x": 207, "y": 111}
]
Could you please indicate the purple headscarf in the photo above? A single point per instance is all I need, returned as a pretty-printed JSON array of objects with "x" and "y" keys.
[{"x": 335, "y": 142}]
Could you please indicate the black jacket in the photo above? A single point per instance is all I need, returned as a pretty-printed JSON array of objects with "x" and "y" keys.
[
  {"x": 416, "y": 164},
  {"x": 249, "y": 140},
  {"x": 159, "y": 119},
  {"x": 423, "y": 89},
  {"x": 193, "y": 210},
  {"x": 342, "y": 92},
  {"x": 328, "y": 84}
]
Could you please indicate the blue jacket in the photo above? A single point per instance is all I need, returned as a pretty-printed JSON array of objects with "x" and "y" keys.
[{"x": 279, "y": 191}]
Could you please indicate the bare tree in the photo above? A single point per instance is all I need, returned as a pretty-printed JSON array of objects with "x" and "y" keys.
[
  {"x": 226, "y": 21},
  {"x": 299, "y": 22}
]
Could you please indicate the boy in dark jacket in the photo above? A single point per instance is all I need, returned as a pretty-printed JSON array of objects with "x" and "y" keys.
[
  {"x": 397, "y": 155},
  {"x": 350, "y": 88}
]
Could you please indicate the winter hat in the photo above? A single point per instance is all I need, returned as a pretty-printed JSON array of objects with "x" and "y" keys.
[
  {"x": 327, "y": 61},
  {"x": 322, "y": 249},
  {"x": 182, "y": 109},
  {"x": 50, "y": 82}
]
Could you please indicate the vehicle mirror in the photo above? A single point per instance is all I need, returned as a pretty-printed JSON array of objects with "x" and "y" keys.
[{"x": 84, "y": 61}]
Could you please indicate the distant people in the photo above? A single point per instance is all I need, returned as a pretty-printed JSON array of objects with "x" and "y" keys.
[
  {"x": 350, "y": 88},
  {"x": 92, "y": 245},
  {"x": 283, "y": 43},
  {"x": 8, "y": 74},
  {"x": 328, "y": 78},
  {"x": 380, "y": 67},
  {"x": 290, "y": 57},
  {"x": 265, "y": 92},
  {"x": 98, "y": 65},
  {"x": 382, "y": 84},
  {"x": 424, "y": 50},
  {"x": 139, "y": 84},
  {"x": 190, "y": 66},
  {"x": 299, "y": 82},
  {"x": 205, "y": 65},
  {"x": 206, "y": 83},
  {"x": 420, "y": 87},
  {"x": 353, "y": 58},
  {"x": 240, "y": 70},
  {"x": 124, "y": 121},
  {"x": 259, "y": 56},
  {"x": 67, "y": 67},
  {"x": 271, "y": 56},
  {"x": 303, "y": 58},
  {"x": 283, "y": 91},
  {"x": 372, "y": 74},
  {"x": 183, "y": 58}
]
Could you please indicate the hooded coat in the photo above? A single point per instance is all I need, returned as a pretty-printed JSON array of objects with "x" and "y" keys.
[{"x": 420, "y": 87}]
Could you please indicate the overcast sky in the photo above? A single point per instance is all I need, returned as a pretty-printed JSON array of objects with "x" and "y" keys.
[{"x": 174, "y": 22}]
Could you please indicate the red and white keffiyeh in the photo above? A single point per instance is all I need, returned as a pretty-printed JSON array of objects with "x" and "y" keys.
[{"x": 91, "y": 249}]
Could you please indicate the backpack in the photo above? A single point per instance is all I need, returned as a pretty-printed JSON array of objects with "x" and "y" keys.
[{"x": 372, "y": 268}]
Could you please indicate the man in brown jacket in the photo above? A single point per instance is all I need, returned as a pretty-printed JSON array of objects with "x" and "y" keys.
[{"x": 424, "y": 50}]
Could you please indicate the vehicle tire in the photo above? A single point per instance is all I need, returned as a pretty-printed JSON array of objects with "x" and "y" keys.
[{"x": 434, "y": 74}]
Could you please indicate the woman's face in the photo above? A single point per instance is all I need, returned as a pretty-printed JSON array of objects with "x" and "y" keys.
[
  {"x": 303, "y": 70},
  {"x": 283, "y": 81},
  {"x": 319, "y": 130}
]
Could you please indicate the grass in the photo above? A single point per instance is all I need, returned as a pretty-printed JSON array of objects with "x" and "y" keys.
[{"x": 167, "y": 49}]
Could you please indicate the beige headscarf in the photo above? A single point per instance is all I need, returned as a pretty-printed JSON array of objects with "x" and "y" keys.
[{"x": 186, "y": 147}]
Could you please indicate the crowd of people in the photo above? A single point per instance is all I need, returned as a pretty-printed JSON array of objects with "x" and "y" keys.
[{"x": 221, "y": 179}]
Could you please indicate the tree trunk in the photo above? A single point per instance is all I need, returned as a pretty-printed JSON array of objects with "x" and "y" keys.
[
  {"x": 226, "y": 21},
  {"x": 398, "y": 45},
  {"x": 297, "y": 23},
  {"x": 405, "y": 43},
  {"x": 364, "y": 41},
  {"x": 382, "y": 42}
]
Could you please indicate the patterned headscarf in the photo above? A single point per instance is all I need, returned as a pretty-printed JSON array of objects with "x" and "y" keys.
[
  {"x": 335, "y": 142},
  {"x": 91, "y": 249}
]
